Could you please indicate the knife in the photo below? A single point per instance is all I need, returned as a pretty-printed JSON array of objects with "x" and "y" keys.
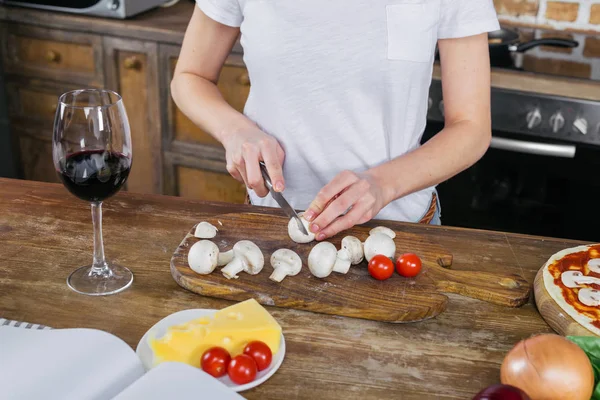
[{"x": 285, "y": 206}]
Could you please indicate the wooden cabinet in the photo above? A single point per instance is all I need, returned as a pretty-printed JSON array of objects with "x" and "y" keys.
[
  {"x": 132, "y": 71},
  {"x": 46, "y": 54}
]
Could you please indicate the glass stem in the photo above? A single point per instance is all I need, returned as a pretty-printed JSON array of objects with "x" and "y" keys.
[{"x": 99, "y": 266}]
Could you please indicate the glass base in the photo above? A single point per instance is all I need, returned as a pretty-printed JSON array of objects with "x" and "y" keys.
[{"x": 110, "y": 280}]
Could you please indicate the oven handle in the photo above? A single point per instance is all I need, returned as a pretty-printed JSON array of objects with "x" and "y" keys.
[{"x": 542, "y": 149}]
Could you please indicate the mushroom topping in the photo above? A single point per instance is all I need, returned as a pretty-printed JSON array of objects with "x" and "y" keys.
[
  {"x": 204, "y": 230},
  {"x": 321, "y": 259},
  {"x": 573, "y": 279},
  {"x": 296, "y": 234},
  {"x": 379, "y": 243},
  {"x": 342, "y": 262},
  {"x": 285, "y": 262},
  {"x": 589, "y": 297},
  {"x": 594, "y": 265},
  {"x": 202, "y": 257},
  {"x": 384, "y": 230},
  {"x": 354, "y": 247},
  {"x": 246, "y": 257}
]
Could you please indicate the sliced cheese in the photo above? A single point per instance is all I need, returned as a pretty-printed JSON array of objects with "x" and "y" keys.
[{"x": 231, "y": 328}]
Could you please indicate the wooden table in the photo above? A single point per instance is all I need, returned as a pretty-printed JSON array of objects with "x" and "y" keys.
[{"x": 45, "y": 233}]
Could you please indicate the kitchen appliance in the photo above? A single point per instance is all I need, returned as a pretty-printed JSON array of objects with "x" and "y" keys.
[
  {"x": 541, "y": 173},
  {"x": 104, "y": 8}
]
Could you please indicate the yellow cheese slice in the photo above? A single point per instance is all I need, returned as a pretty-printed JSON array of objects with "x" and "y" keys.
[{"x": 231, "y": 328}]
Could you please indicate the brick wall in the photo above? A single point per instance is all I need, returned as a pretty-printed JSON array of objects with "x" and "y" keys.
[{"x": 582, "y": 15}]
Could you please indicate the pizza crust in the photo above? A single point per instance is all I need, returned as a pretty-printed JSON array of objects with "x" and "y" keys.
[{"x": 556, "y": 293}]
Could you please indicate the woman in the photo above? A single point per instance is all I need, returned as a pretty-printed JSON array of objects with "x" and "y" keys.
[{"x": 339, "y": 99}]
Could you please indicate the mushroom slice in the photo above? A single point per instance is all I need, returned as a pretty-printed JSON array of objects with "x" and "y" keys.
[
  {"x": 205, "y": 230},
  {"x": 225, "y": 258},
  {"x": 589, "y": 297},
  {"x": 594, "y": 265},
  {"x": 379, "y": 243},
  {"x": 202, "y": 257},
  {"x": 573, "y": 279},
  {"x": 296, "y": 234},
  {"x": 342, "y": 262},
  {"x": 384, "y": 230},
  {"x": 321, "y": 259},
  {"x": 285, "y": 262},
  {"x": 246, "y": 257},
  {"x": 355, "y": 249}
]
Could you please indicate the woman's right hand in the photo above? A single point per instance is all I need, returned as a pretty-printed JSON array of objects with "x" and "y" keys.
[{"x": 243, "y": 151}]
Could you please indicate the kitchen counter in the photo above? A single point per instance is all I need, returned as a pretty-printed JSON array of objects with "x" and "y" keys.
[{"x": 45, "y": 233}]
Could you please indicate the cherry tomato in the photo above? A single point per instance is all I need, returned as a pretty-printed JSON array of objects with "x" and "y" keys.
[
  {"x": 215, "y": 361},
  {"x": 381, "y": 267},
  {"x": 260, "y": 352},
  {"x": 242, "y": 369},
  {"x": 408, "y": 265}
]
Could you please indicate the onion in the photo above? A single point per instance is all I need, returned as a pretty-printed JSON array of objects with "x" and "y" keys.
[
  {"x": 501, "y": 392},
  {"x": 549, "y": 367}
]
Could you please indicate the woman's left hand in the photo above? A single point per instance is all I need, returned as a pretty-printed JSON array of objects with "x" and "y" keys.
[{"x": 361, "y": 195}]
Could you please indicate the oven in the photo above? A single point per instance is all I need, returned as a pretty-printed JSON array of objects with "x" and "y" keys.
[{"x": 540, "y": 175}]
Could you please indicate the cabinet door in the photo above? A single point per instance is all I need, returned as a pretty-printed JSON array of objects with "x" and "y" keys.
[
  {"x": 35, "y": 154},
  {"x": 131, "y": 71}
]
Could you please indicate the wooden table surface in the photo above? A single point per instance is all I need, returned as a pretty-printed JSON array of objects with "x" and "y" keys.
[{"x": 45, "y": 233}]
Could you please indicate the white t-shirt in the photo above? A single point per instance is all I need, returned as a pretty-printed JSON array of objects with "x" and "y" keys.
[{"x": 344, "y": 84}]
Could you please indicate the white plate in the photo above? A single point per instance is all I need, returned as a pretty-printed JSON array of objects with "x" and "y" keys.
[{"x": 160, "y": 328}]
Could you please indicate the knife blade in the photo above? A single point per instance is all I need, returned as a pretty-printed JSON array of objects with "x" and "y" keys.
[{"x": 278, "y": 197}]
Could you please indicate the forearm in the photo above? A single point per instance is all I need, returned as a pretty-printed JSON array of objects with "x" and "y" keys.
[
  {"x": 200, "y": 100},
  {"x": 458, "y": 146}
]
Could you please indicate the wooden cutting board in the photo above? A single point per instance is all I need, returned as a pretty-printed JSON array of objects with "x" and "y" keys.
[
  {"x": 553, "y": 314},
  {"x": 355, "y": 294}
]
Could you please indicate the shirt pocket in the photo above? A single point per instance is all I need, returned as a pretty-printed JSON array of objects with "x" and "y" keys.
[{"x": 411, "y": 30}]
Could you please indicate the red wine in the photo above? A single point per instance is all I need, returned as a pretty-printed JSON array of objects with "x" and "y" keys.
[{"x": 94, "y": 175}]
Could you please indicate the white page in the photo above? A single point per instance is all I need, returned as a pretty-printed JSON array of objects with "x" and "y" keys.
[
  {"x": 64, "y": 364},
  {"x": 180, "y": 381}
]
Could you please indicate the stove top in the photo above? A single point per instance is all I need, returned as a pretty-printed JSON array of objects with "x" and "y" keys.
[{"x": 580, "y": 62}]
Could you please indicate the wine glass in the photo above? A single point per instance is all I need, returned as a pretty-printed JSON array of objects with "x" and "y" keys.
[{"x": 91, "y": 148}]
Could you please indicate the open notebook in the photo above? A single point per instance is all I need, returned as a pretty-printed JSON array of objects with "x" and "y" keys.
[{"x": 91, "y": 364}]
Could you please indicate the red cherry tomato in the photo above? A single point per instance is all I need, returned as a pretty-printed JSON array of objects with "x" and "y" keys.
[
  {"x": 381, "y": 267},
  {"x": 215, "y": 361},
  {"x": 242, "y": 369},
  {"x": 408, "y": 265},
  {"x": 260, "y": 352}
]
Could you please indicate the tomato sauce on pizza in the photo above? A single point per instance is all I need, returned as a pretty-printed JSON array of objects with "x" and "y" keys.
[{"x": 577, "y": 262}]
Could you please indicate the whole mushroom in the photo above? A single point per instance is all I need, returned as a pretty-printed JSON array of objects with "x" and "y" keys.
[
  {"x": 342, "y": 262},
  {"x": 354, "y": 247},
  {"x": 246, "y": 257},
  {"x": 285, "y": 262},
  {"x": 379, "y": 243},
  {"x": 296, "y": 234},
  {"x": 225, "y": 258},
  {"x": 202, "y": 257},
  {"x": 324, "y": 258},
  {"x": 205, "y": 230},
  {"x": 384, "y": 230}
]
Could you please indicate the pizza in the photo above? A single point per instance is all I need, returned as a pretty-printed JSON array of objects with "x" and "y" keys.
[{"x": 572, "y": 279}]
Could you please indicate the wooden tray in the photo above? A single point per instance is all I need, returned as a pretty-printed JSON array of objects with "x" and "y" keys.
[
  {"x": 553, "y": 314},
  {"x": 355, "y": 294}
]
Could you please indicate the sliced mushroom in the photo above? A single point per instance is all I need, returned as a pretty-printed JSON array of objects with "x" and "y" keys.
[
  {"x": 589, "y": 297},
  {"x": 246, "y": 257},
  {"x": 379, "y": 243},
  {"x": 205, "y": 230},
  {"x": 321, "y": 259},
  {"x": 573, "y": 279},
  {"x": 296, "y": 234},
  {"x": 342, "y": 262},
  {"x": 384, "y": 230},
  {"x": 355, "y": 249},
  {"x": 202, "y": 257},
  {"x": 594, "y": 265},
  {"x": 285, "y": 262}
]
